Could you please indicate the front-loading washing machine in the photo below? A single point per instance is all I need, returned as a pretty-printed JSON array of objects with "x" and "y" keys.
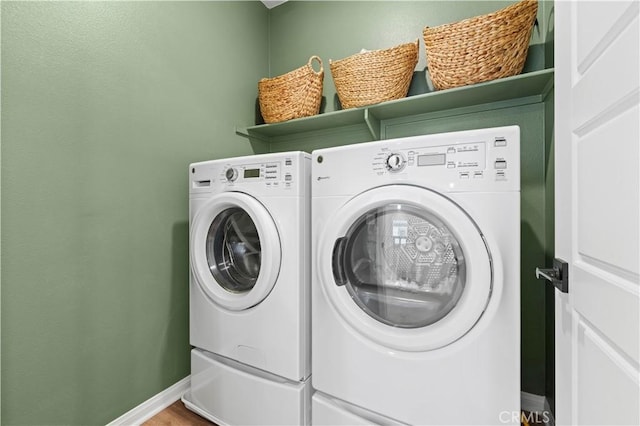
[
  {"x": 249, "y": 249},
  {"x": 416, "y": 281}
]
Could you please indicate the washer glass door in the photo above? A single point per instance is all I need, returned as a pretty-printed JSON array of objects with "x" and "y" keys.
[{"x": 235, "y": 250}]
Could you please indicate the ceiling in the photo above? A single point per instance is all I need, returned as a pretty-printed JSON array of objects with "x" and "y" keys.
[{"x": 272, "y": 3}]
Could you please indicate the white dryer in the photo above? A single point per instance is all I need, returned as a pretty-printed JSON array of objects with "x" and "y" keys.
[
  {"x": 416, "y": 281},
  {"x": 249, "y": 289}
]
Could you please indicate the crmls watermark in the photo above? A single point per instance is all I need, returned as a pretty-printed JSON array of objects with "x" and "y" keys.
[{"x": 509, "y": 417}]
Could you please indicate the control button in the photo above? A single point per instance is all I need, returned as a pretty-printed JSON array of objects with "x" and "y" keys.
[
  {"x": 500, "y": 142},
  {"x": 395, "y": 162},
  {"x": 287, "y": 161},
  {"x": 477, "y": 175},
  {"x": 500, "y": 164},
  {"x": 451, "y": 150},
  {"x": 451, "y": 165},
  {"x": 464, "y": 175},
  {"x": 231, "y": 174},
  {"x": 288, "y": 177},
  {"x": 500, "y": 175}
]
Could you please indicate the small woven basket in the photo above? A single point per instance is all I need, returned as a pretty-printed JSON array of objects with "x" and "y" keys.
[
  {"x": 295, "y": 94},
  {"x": 481, "y": 48},
  {"x": 375, "y": 76}
]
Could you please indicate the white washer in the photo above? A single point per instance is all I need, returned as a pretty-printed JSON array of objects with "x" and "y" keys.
[
  {"x": 416, "y": 281},
  {"x": 249, "y": 289}
]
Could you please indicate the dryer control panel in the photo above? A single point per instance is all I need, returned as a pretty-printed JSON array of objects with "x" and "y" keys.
[
  {"x": 486, "y": 158},
  {"x": 478, "y": 160},
  {"x": 462, "y": 156},
  {"x": 467, "y": 160}
]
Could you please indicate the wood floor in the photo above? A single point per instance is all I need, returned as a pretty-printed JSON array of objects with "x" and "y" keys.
[{"x": 177, "y": 415}]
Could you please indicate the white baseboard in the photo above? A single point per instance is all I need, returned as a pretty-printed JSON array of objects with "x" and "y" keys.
[
  {"x": 153, "y": 405},
  {"x": 547, "y": 408},
  {"x": 537, "y": 404},
  {"x": 532, "y": 402}
]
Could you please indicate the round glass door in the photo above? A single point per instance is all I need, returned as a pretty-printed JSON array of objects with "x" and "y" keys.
[
  {"x": 406, "y": 267},
  {"x": 235, "y": 250},
  {"x": 403, "y": 266}
]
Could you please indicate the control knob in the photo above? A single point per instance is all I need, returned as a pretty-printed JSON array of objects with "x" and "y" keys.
[
  {"x": 395, "y": 162},
  {"x": 231, "y": 174}
]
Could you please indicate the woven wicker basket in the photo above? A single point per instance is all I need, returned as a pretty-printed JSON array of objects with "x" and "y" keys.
[
  {"x": 481, "y": 48},
  {"x": 375, "y": 76},
  {"x": 295, "y": 94}
]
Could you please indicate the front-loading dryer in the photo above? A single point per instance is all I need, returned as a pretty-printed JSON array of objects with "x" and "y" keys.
[
  {"x": 249, "y": 249},
  {"x": 416, "y": 281}
]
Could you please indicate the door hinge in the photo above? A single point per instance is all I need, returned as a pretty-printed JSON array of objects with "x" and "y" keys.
[{"x": 558, "y": 275}]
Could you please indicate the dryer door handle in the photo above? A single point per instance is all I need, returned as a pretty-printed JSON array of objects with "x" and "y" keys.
[{"x": 337, "y": 263}]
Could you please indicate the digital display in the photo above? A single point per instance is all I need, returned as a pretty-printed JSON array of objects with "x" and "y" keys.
[
  {"x": 432, "y": 160},
  {"x": 251, "y": 173}
]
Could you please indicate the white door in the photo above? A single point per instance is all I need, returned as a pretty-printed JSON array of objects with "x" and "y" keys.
[{"x": 597, "y": 215}]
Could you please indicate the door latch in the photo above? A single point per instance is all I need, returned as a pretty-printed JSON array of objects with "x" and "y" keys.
[{"x": 558, "y": 275}]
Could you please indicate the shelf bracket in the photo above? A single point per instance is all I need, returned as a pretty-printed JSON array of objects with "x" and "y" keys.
[
  {"x": 242, "y": 131},
  {"x": 373, "y": 124},
  {"x": 258, "y": 144}
]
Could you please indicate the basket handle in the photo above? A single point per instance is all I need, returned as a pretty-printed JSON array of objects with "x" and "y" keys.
[{"x": 317, "y": 58}]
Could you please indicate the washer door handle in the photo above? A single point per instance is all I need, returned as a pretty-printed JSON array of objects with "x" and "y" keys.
[{"x": 337, "y": 263}]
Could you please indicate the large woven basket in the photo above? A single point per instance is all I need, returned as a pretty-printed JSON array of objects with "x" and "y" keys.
[
  {"x": 481, "y": 48},
  {"x": 374, "y": 76},
  {"x": 295, "y": 94}
]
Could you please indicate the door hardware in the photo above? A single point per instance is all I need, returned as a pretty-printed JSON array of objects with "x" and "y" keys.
[
  {"x": 558, "y": 275},
  {"x": 337, "y": 261}
]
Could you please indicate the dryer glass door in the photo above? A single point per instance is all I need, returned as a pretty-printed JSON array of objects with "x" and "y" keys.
[
  {"x": 406, "y": 267},
  {"x": 233, "y": 250},
  {"x": 402, "y": 265}
]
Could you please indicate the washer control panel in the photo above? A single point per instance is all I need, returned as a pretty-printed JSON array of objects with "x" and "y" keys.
[
  {"x": 251, "y": 172},
  {"x": 269, "y": 171}
]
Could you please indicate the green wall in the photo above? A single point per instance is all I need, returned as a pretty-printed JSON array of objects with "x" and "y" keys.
[
  {"x": 104, "y": 105},
  {"x": 333, "y": 30}
]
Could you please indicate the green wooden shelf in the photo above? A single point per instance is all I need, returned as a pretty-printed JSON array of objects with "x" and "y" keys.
[{"x": 531, "y": 87}]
